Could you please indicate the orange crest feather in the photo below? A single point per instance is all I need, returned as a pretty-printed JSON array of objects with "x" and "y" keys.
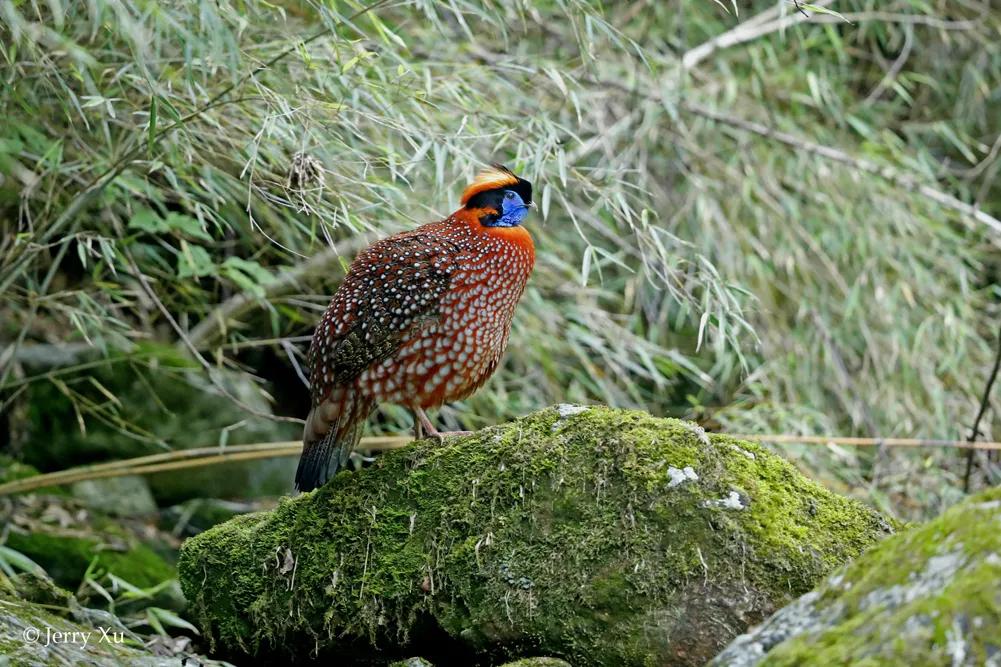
[{"x": 491, "y": 178}]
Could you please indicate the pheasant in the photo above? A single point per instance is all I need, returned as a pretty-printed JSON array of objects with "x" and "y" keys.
[{"x": 421, "y": 319}]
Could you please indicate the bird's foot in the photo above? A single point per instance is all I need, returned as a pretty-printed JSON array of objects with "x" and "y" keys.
[
  {"x": 441, "y": 435},
  {"x": 424, "y": 428}
]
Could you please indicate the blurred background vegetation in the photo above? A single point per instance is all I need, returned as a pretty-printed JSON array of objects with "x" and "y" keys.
[{"x": 766, "y": 217}]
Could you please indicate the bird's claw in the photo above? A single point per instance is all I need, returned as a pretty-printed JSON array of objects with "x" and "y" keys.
[
  {"x": 441, "y": 435},
  {"x": 423, "y": 428}
]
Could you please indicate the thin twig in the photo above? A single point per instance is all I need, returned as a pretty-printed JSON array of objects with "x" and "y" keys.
[
  {"x": 984, "y": 403},
  {"x": 765, "y": 23},
  {"x": 770, "y": 21},
  {"x": 290, "y": 353},
  {"x": 791, "y": 438},
  {"x": 894, "y": 71},
  {"x": 183, "y": 458},
  {"x": 210, "y": 370},
  {"x": 890, "y": 174}
]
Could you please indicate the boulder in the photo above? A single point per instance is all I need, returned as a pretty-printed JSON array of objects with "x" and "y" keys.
[
  {"x": 127, "y": 496},
  {"x": 928, "y": 596},
  {"x": 593, "y": 535}
]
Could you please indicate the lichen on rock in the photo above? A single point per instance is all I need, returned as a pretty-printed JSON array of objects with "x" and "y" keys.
[
  {"x": 928, "y": 596},
  {"x": 33, "y": 636},
  {"x": 560, "y": 534}
]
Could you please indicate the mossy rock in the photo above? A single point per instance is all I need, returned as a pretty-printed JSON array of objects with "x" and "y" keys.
[
  {"x": 929, "y": 596},
  {"x": 34, "y": 636},
  {"x": 65, "y": 540},
  {"x": 594, "y": 535},
  {"x": 37, "y": 587}
]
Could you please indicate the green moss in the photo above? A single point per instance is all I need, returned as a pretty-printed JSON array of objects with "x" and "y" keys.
[
  {"x": 568, "y": 535},
  {"x": 65, "y": 554},
  {"x": 923, "y": 597},
  {"x": 39, "y": 588}
]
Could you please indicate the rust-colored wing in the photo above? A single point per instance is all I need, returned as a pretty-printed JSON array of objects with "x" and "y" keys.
[{"x": 394, "y": 285}]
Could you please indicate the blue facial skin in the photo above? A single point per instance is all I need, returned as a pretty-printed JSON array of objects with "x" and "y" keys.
[{"x": 513, "y": 211}]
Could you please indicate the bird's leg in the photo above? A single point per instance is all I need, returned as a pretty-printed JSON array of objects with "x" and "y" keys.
[
  {"x": 422, "y": 425},
  {"x": 418, "y": 426}
]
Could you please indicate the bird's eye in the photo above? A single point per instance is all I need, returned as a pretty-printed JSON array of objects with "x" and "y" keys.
[{"x": 508, "y": 195}]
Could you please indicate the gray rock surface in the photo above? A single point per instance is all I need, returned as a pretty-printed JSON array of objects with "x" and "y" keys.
[{"x": 928, "y": 596}]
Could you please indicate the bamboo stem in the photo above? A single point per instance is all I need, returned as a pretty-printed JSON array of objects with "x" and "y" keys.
[
  {"x": 182, "y": 458},
  {"x": 785, "y": 438},
  {"x": 206, "y": 456}
]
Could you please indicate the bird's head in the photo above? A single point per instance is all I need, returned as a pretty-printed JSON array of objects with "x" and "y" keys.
[{"x": 499, "y": 198}]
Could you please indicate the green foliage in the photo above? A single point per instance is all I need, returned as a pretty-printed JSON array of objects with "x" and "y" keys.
[
  {"x": 11, "y": 560},
  {"x": 687, "y": 264},
  {"x": 568, "y": 533},
  {"x": 45, "y": 629}
]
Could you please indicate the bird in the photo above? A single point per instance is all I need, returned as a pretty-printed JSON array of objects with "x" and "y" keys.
[{"x": 421, "y": 319}]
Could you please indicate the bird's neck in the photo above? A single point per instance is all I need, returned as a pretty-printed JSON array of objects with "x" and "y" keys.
[{"x": 516, "y": 235}]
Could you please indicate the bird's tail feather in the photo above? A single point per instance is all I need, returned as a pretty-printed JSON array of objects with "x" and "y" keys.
[{"x": 332, "y": 430}]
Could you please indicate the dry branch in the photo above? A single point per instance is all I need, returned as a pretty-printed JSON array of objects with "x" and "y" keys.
[{"x": 765, "y": 23}]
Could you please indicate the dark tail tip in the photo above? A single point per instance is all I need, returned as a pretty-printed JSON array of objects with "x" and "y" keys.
[{"x": 316, "y": 464}]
